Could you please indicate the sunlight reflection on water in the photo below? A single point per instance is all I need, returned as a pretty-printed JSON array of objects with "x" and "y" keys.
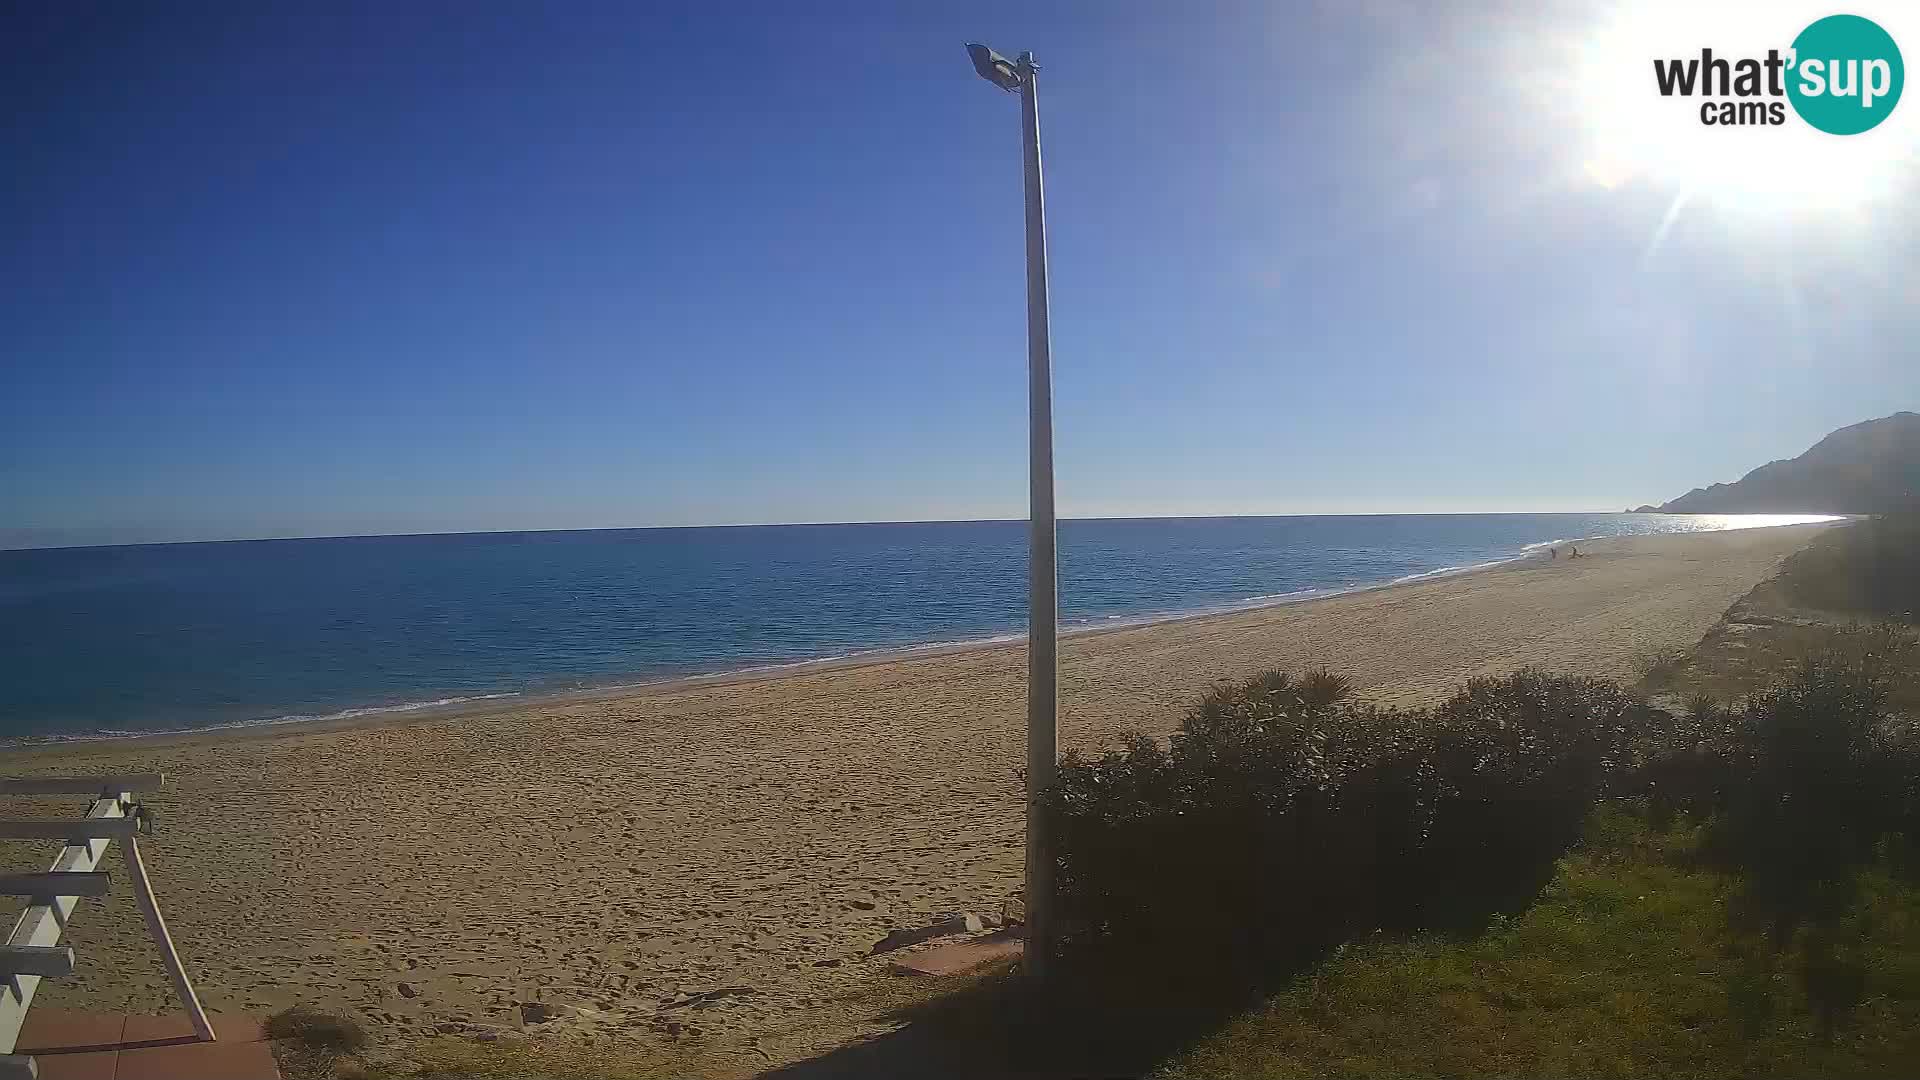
[{"x": 1721, "y": 522}]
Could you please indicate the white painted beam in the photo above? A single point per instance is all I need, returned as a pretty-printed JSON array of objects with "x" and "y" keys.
[
  {"x": 42, "y": 923},
  {"x": 157, "y": 928},
  {"x": 64, "y": 883},
  {"x": 48, "y": 962},
  {"x": 73, "y": 832}
]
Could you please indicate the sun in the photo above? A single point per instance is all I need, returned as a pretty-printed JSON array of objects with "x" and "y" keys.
[{"x": 1628, "y": 133}]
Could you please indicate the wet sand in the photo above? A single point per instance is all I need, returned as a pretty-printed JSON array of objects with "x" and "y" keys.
[{"x": 616, "y": 854}]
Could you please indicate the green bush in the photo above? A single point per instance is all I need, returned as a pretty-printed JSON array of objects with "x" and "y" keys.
[
  {"x": 1809, "y": 783},
  {"x": 1803, "y": 790},
  {"x": 1519, "y": 762},
  {"x": 1284, "y": 819}
]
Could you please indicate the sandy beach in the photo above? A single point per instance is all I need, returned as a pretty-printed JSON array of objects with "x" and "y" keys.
[{"x": 619, "y": 853}]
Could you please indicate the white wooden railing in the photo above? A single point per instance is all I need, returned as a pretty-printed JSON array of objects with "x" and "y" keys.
[{"x": 32, "y": 951}]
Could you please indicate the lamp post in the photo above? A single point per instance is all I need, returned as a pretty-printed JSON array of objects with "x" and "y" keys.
[{"x": 1042, "y": 602}]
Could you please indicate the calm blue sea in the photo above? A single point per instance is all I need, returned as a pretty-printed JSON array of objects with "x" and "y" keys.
[{"x": 165, "y": 637}]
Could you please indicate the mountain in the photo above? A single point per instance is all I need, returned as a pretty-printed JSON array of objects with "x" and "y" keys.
[{"x": 1867, "y": 468}]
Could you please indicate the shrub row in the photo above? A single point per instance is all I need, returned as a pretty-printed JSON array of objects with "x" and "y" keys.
[{"x": 1284, "y": 818}]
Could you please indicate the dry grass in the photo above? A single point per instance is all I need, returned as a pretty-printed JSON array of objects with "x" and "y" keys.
[
  {"x": 514, "y": 1058},
  {"x": 1819, "y": 604},
  {"x": 312, "y": 1043},
  {"x": 1738, "y": 658},
  {"x": 1658, "y": 670}
]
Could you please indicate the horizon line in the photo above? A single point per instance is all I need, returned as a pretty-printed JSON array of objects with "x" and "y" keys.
[{"x": 796, "y": 525}]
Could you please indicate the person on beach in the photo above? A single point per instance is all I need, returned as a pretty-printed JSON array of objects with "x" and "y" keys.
[{"x": 1553, "y": 553}]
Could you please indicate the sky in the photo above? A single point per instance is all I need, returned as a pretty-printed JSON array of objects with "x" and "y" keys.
[{"x": 302, "y": 269}]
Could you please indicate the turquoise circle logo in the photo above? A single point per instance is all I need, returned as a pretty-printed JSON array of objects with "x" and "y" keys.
[{"x": 1847, "y": 74}]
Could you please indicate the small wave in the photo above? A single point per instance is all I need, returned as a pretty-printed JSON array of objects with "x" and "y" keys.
[
  {"x": 1544, "y": 544},
  {"x": 1296, "y": 594},
  {"x": 879, "y": 652},
  {"x": 1445, "y": 571},
  {"x": 371, "y": 710},
  {"x": 258, "y": 722}
]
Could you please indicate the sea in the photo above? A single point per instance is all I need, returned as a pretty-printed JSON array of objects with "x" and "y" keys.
[{"x": 105, "y": 642}]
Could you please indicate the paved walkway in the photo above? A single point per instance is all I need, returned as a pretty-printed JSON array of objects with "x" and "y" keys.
[{"x": 72, "y": 1045}]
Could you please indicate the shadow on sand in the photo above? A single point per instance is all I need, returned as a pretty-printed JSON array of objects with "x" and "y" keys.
[{"x": 1000, "y": 1026}]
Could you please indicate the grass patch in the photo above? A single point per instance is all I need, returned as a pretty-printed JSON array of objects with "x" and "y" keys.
[
  {"x": 541, "y": 1059},
  {"x": 1868, "y": 569},
  {"x": 314, "y": 1045},
  {"x": 1746, "y": 653},
  {"x": 1855, "y": 588},
  {"x": 1625, "y": 967},
  {"x": 507, "y": 1059}
]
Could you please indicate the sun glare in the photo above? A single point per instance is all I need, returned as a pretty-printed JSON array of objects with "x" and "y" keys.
[{"x": 1633, "y": 134}]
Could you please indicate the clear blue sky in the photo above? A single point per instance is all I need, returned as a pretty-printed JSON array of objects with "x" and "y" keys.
[{"x": 419, "y": 267}]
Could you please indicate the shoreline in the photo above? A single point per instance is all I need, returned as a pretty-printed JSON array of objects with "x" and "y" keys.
[{"x": 493, "y": 703}]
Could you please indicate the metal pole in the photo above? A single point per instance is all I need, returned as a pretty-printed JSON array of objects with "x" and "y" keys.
[{"x": 1042, "y": 605}]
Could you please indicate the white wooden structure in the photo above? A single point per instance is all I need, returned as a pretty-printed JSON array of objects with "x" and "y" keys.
[{"x": 32, "y": 951}]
